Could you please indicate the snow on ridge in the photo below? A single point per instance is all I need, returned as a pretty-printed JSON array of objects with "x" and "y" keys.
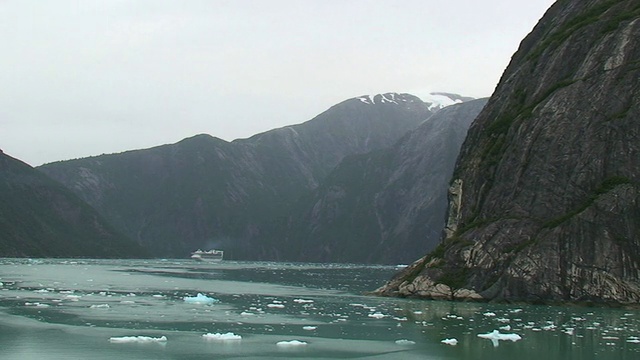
[
  {"x": 393, "y": 98},
  {"x": 439, "y": 101}
]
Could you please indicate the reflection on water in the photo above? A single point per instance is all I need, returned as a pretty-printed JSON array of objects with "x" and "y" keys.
[{"x": 61, "y": 309}]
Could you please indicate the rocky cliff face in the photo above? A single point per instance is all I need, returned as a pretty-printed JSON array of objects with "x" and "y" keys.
[
  {"x": 205, "y": 192},
  {"x": 390, "y": 202},
  {"x": 41, "y": 218},
  {"x": 545, "y": 201}
]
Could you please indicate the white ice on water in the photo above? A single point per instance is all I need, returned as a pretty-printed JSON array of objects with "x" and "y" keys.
[
  {"x": 405, "y": 342},
  {"x": 100, "y": 306},
  {"x": 452, "y": 342},
  {"x": 496, "y": 336},
  {"x": 222, "y": 337},
  {"x": 291, "y": 343},
  {"x": 275, "y": 306},
  {"x": 309, "y": 328},
  {"x": 137, "y": 339},
  {"x": 200, "y": 299}
]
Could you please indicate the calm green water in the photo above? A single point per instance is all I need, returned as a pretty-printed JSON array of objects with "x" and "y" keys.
[{"x": 70, "y": 309}]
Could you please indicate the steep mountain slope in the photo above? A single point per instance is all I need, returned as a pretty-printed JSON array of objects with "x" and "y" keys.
[
  {"x": 384, "y": 206},
  {"x": 41, "y": 218},
  {"x": 545, "y": 205},
  {"x": 204, "y": 192}
]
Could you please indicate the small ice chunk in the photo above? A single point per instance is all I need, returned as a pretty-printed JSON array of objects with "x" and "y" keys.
[
  {"x": 222, "y": 337},
  {"x": 200, "y": 299},
  {"x": 505, "y": 328},
  {"x": 633, "y": 340},
  {"x": 302, "y": 301},
  {"x": 292, "y": 343},
  {"x": 100, "y": 306},
  {"x": 246, "y": 313},
  {"x": 452, "y": 342},
  {"x": 37, "y": 304},
  {"x": 309, "y": 328},
  {"x": 405, "y": 342},
  {"x": 495, "y": 336},
  {"x": 377, "y": 315},
  {"x": 489, "y": 314},
  {"x": 137, "y": 339},
  {"x": 276, "y": 306},
  {"x": 73, "y": 297}
]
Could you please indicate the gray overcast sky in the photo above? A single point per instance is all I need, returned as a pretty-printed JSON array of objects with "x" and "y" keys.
[{"x": 82, "y": 78}]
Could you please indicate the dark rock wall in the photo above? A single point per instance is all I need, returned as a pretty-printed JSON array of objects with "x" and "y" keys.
[{"x": 550, "y": 171}]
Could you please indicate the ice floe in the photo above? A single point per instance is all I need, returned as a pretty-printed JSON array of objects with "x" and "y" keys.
[
  {"x": 222, "y": 337},
  {"x": 377, "y": 315},
  {"x": 405, "y": 342},
  {"x": 275, "y": 306},
  {"x": 309, "y": 328},
  {"x": 291, "y": 343},
  {"x": 137, "y": 339},
  {"x": 496, "y": 336},
  {"x": 100, "y": 306},
  {"x": 302, "y": 301},
  {"x": 200, "y": 299},
  {"x": 452, "y": 342}
]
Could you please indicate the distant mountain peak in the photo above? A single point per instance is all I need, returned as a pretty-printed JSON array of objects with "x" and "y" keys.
[
  {"x": 392, "y": 97},
  {"x": 434, "y": 100}
]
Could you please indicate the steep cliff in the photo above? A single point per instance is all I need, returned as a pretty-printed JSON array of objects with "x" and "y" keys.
[
  {"x": 205, "y": 192},
  {"x": 41, "y": 218},
  {"x": 390, "y": 202},
  {"x": 545, "y": 201}
]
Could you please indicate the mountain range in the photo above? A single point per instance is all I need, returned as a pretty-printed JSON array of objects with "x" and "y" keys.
[{"x": 246, "y": 196}]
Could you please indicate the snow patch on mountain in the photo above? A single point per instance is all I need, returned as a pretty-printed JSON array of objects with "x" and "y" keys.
[
  {"x": 438, "y": 101},
  {"x": 435, "y": 101},
  {"x": 392, "y": 98}
]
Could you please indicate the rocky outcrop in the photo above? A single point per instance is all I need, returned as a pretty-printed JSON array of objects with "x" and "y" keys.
[
  {"x": 41, "y": 218},
  {"x": 550, "y": 172}
]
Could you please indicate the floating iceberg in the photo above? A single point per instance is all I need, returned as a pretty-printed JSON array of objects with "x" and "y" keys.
[
  {"x": 302, "y": 301},
  {"x": 222, "y": 337},
  {"x": 200, "y": 299},
  {"x": 377, "y": 315},
  {"x": 496, "y": 336},
  {"x": 292, "y": 343},
  {"x": 100, "y": 306},
  {"x": 276, "y": 306},
  {"x": 452, "y": 342},
  {"x": 309, "y": 328},
  {"x": 405, "y": 342},
  {"x": 137, "y": 339}
]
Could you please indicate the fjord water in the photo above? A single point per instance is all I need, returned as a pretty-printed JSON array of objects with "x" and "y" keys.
[{"x": 70, "y": 309}]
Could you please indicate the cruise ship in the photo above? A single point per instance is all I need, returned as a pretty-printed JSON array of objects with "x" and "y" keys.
[{"x": 211, "y": 255}]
